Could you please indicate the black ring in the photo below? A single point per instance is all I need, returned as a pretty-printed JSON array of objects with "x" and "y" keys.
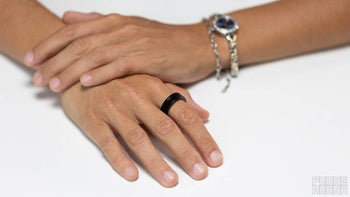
[{"x": 173, "y": 98}]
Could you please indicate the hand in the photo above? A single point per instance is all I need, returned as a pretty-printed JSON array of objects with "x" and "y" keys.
[
  {"x": 112, "y": 46},
  {"x": 129, "y": 108}
]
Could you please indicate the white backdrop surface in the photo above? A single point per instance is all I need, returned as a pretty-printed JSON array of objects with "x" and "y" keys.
[{"x": 280, "y": 124}]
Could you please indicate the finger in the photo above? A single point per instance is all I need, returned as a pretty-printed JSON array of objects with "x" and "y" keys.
[
  {"x": 140, "y": 144},
  {"x": 122, "y": 63},
  {"x": 71, "y": 17},
  {"x": 96, "y": 58},
  {"x": 115, "y": 69},
  {"x": 69, "y": 66},
  {"x": 99, "y": 58},
  {"x": 79, "y": 48},
  {"x": 69, "y": 60},
  {"x": 129, "y": 58},
  {"x": 66, "y": 35},
  {"x": 193, "y": 126},
  {"x": 166, "y": 130},
  {"x": 203, "y": 113},
  {"x": 60, "y": 61},
  {"x": 103, "y": 136}
]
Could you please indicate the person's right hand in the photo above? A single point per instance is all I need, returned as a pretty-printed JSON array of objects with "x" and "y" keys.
[{"x": 129, "y": 109}]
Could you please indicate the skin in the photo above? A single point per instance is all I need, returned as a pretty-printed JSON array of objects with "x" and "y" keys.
[
  {"x": 127, "y": 107},
  {"x": 100, "y": 48}
]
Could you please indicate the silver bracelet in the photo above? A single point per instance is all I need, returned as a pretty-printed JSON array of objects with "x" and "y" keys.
[
  {"x": 214, "y": 46},
  {"x": 225, "y": 26}
]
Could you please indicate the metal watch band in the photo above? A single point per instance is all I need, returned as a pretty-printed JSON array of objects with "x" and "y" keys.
[
  {"x": 234, "y": 68},
  {"x": 231, "y": 37}
]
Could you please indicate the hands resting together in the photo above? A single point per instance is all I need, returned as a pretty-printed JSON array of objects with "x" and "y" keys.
[{"x": 126, "y": 111}]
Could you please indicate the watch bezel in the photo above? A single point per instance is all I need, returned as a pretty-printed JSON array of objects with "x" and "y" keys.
[{"x": 224, "y": 31}]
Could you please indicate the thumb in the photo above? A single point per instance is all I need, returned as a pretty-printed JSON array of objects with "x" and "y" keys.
[
  {"x": 203, "y": 113},
  {"x": 76, "y": 17}
]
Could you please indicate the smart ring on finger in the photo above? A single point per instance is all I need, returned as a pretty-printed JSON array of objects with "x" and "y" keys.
[{"x": 170, "y": 101}]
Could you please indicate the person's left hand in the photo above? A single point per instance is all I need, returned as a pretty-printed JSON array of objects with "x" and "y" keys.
[{"x": 112, "y": 46}]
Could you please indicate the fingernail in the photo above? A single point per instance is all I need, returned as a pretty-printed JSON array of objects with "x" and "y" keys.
[
  {"x": 37, "y": 78},
  {"x": 198, "y": 169},
  {"x": 55, "y": 83},
  {"x": 168, "y": 176},
  {"x": 86, "y": 79},
  {"x": 129, "y": 173},
  {"x": 29, "y": 58},
  {"x": 216, "y": 157}
]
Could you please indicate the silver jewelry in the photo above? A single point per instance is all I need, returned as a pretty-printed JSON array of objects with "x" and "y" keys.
[
  {"x": 227, "y": 27},
  {"x": 214, "y": 46}
]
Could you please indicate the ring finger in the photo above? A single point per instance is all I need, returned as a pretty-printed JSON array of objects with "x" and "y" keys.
[{"x": 167, "y": 131}]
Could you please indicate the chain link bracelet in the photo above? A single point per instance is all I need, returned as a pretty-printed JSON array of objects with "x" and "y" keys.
[
  {"x": 214, "y": 46},
  {"x": 224, "y": 26}
]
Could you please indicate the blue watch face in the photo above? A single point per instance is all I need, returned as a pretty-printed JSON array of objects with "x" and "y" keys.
[{"x": 225, "y": 23}]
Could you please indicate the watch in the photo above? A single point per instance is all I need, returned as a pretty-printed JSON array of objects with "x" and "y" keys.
[{"x": 227, "y": 27}]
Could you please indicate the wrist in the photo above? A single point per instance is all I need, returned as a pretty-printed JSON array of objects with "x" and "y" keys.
[
  {"x": 207, "y": 57},
  {"x": 224, "y": 51},
  {"x": 202, "y": 56}
]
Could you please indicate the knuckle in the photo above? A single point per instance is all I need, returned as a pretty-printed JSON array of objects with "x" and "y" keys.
[
  {"x": 91, "y": 118},
  {"x": 106, "y": 144},
  {"x": 153, "y": 80},
  {"x": 132, "y": 95},
  {"x": 69, "y": 31},
  {"x": 112, "y": 105},
  {"x": 113, "y": 16},
  {"x": 136, "y": 137},
  {"x": 206, "y": 142},
  {"x": 98, "y": 56},
  {"x": 188, "y": 116},
  {"x": 146, "y": 40},
  {"x": 123, "y": 66},
  {"x": 157, "y": 84},
  {"x": 132, "y": 28},
  {"x": 155, "y": 163},
  {"x": 186, "y": 155},
  {"x": 91, "y": 115},
  {"x": 79, "y": 46},
  {"x": 166, "y": 126},
  {"x": 116, "y": 160}
]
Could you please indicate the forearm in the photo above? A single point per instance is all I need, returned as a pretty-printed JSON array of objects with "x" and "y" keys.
[
  {"x": 288, "y": 28},
  {"x": 23, "y": 24},
  {"x": 268, "y": 32}
]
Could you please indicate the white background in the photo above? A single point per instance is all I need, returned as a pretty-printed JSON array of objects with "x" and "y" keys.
[{"x": 280, "y": 123}]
